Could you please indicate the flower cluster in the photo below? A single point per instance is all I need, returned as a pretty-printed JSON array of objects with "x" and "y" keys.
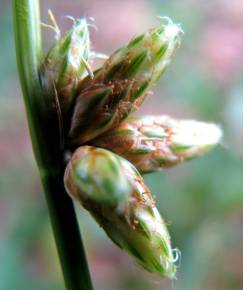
[{"x": 110, "y": 149}]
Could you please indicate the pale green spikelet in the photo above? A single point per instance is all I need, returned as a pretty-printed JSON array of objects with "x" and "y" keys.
[
  {"x": 134, "y": 224},
  {"x": 98, "y": 176},
  {"x": 155, "y": 142},
  {"x": 128, "y": 74},
  {"x": 66, "y": 63}
]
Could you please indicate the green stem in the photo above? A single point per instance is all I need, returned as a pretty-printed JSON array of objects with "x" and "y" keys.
[{"x": 45, "y": 134}]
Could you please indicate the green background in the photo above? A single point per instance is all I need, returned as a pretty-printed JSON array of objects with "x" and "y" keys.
[{"x": 201, "y": 200}]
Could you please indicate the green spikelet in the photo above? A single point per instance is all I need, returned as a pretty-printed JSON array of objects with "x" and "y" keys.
[
  {"x": 66, "y": 63},
  {"x": 127, "y": 75},
  {"x": 98, "y": 176},
  {"x": 134, "y": 224},
  {"x": 155, "y": 142}
]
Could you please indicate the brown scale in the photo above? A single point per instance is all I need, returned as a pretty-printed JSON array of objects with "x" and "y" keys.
[
  {"x": 119, "y": 85},
  {"x": 148, "y": 43},
  {"x": 170, "y": 132},
  {"x": 142, "y": 200},
  {"x": 137, "y": 201},
  {"x": 128, "y": 57},
  {"x": 123, "y": 106},
  {"x": 122, "y": 144}
]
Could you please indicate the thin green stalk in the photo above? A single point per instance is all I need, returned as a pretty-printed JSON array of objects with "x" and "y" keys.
[{"x": 44, "y": 125}]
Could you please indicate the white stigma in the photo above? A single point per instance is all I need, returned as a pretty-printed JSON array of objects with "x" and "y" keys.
[{"x": 171, "y": 31}]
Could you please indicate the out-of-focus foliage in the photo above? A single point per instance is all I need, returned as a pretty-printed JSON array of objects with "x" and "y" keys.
[{"x": 202, "y": 200}]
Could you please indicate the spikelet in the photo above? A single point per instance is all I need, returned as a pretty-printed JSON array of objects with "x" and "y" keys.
[
  {"x": 120, "y": 85},
  {"x": 66, "y": 63},
  {"x": 155, "y": 142},
  {"x": 134, "y": 223}
]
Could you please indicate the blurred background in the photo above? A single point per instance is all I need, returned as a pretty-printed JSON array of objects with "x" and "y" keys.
[{"x": 202, "y": 201}]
